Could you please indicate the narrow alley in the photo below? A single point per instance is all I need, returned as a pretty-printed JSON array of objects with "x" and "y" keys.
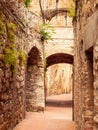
[
  {"x": 57, "y": 116},
  {"x": 48, "y": 64}
]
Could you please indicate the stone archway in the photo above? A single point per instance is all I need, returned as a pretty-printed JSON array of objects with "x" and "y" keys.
[
  {"x": 60, "y": 65},
  {"x": 59, "y": 75},
  {"x": 59, "y": 58},
  {"x": 34, "y": 81}
]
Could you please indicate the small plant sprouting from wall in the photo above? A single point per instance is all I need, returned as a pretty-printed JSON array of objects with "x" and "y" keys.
[
  {"x": 72, "y": 8},
  {"x": 27, "y": 3},
  {"x": 11, "y": 57},
  {"x": 72, "y": 11},
  {"x": 46, "y": 32}
]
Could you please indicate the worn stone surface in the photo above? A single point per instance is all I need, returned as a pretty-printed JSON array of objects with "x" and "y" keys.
[
  {"x": 85, "y": 74},
  {"x": 24, "y": 90},
  {"x": 58, "y": 79},
  {"x": 59, "y": 50},
  {"x": 12, "y": 85},
  {"x": 62, "y": 41},
  {"x": 34, "y": 82}
]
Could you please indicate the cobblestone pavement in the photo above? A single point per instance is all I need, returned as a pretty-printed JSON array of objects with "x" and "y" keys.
[{"x": 57, "y": 116}]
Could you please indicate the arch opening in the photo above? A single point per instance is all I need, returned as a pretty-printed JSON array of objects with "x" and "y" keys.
[
  {"x": 34, "y": 83},
  {"x": 59, "y": 82},
  {"x": 59, "y": 58}
]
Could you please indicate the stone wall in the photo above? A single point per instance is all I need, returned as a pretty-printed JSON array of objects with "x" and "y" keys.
[
  {"x": 57, "y": 51},
  {"x": 11, "y": 83},
  {"x": 96, "y": 85},
  {"x": 59, "y": 79},
  {"x": 62, "y": 41},
  {"x": 85, "y": 76},
  {"x": 17, "y": 38},
  {"x": 34, "y": 82}
]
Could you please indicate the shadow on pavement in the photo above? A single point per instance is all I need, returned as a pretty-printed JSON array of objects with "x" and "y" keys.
[{"x": 56, "y": 103}]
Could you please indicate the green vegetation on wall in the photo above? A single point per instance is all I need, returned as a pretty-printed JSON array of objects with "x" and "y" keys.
[
  {"x": 1, "y": 42},
  {"x": 72, "y": 11},
  {"x": 22, "y": 57},
  {"x": 11, "y": 26},
  {"x": 11, "y": 57},
  {"x": 11, "y": 31},
  {"x": 46, "y": 32},
  {"x": 27, "y": 3},
  {"x": 2, "y": 31},
  {"x": 2, "y": 28}
]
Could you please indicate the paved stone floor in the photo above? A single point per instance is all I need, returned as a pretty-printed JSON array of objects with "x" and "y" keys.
[{"x": 58, "y": 115}]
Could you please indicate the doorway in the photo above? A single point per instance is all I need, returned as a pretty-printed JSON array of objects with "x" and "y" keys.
[
  {"x": 34, "y": 84},
  {"x": 89, "y": 92}
]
